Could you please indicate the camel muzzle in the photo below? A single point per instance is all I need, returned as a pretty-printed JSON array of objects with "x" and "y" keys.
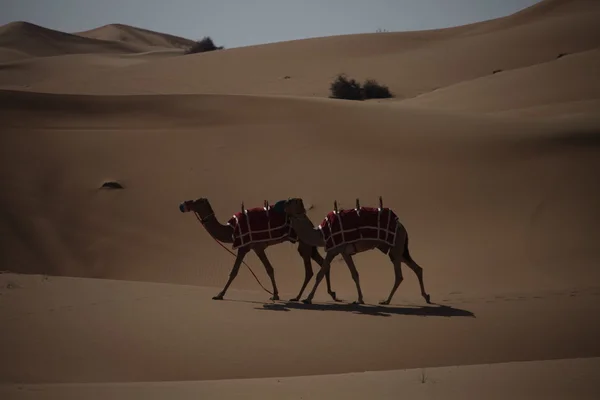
[{"x": 183, "y": 207}]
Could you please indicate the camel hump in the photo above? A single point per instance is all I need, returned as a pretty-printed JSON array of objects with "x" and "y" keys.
[{"x": 279, "y": 206}]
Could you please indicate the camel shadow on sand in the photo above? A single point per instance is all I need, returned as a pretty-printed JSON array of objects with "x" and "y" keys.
[{"x": 434, "y": 310}]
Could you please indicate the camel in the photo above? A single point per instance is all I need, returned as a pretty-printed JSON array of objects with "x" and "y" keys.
[
  {"x": 225, "y": 234},
  {"x": 362, "y": 235}
]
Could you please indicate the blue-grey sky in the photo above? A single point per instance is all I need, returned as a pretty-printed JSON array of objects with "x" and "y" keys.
[{"x": 235, "y": 23}]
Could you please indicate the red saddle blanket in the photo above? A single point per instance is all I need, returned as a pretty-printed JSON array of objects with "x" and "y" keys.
[
  {"x": 260, "y": 225},
  {"x": 349, "y": 226}
]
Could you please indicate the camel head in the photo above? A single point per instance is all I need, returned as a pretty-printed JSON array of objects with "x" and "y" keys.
[
  {"x": 200, "y": 206},
  {"x": 294, "y": 207}
]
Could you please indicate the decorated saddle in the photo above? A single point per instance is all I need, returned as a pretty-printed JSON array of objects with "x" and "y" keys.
[
  {"x": 361, "y": 223},
  {"x": 260, "y": 224}
]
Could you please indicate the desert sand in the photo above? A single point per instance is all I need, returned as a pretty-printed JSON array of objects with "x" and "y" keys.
[{"x": 489, "y": 153}]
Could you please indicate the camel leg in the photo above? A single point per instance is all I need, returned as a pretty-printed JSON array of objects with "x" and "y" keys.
[
  {"x": 322, "y": 272},
  {"x": 260, "y": 252},
  {"x": 397, "y": 262},
  {"x": 408, "y": 260},
  {"x": 354, "y": 273},
  {"x": 419, "y": 272},
  {"x": 319, "y": 260},
  {"x": 305, "y": 253},
  {"x": 234, "y": 271}
]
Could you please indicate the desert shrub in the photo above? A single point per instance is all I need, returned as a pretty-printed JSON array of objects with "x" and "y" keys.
[
  {"x": 349, "y": 89},
  {"x": 373, "y": 90},
  {"x": 344, "y": 88},
  {"x": 202, "y": 46}
]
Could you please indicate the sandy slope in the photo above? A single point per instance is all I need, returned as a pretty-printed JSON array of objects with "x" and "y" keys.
[
  {"x": 556, "y": 379},
  {"x": 116, "y": 331},
  {"x": 493, "y": 180},
  {"x": 22, "y": 74},
  {"x": 139, "y": 36},
  {"x": 572, "y": 78}
]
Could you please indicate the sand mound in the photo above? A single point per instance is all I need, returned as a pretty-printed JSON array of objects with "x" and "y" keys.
[
  {"x": 138, "y": 36},
  {"x": 37, "y": 41},
  {"x": 573, "y": 78}
]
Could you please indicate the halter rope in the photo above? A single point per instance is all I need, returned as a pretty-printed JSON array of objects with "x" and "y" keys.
[{"x": 230, "y": 252}]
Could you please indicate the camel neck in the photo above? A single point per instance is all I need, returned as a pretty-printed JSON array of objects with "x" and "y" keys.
[
  {"x": 223, "y": 233},
  {"x": 306, "y": 231}
]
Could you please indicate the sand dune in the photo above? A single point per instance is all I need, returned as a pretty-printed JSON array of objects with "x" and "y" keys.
[
  {"x": 572, "y": 78},
  {"x": 37, "y": 41},
  {"x": 30, "y": 54},
  {"x": 135, "y": 35},
  {"x": 109, "y": 291},
  {"x": 411, "y": 63}
]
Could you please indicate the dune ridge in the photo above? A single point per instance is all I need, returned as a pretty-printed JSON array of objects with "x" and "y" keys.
[{"x": 136, "y": 35}]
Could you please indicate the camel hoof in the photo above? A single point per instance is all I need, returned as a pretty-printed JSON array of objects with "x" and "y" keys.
[
  {"x": 295, "y": 299},
  {"x": 333, "y": 296},
  {"x": 275, "y": 297},
  {"x": 357, "y": 302},
  {"x": 307, "y": 301},
  {"x": 384, "y": 302},
  {"x": 218, "y": 297},
  {"x": 428, "y": 299}
]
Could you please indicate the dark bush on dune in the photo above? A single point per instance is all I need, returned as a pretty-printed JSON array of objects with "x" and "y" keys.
[
  {"x": 202, "y": 46},
  {"x": 349, "y": 89},
  {"x": 373, "y": 90},
  {"x": 344, "y": 88}
]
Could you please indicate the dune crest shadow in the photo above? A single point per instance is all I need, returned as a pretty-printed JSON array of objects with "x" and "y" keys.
[{"x": 435, "y": 310}]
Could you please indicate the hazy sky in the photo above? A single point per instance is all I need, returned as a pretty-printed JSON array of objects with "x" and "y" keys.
[{"x": 234, "y": 23}]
